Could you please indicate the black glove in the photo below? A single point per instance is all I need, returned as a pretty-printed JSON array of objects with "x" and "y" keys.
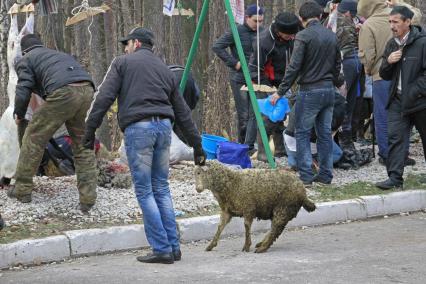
[
  {"x": 199, "y": 156},
  {"x": 88, "y": 140}
]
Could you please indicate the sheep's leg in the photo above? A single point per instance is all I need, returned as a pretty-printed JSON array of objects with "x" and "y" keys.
[
  {"x": 225, "y": 217},
  {"x": 248, "y": 220},
  {"x": 279, "y": 221}
]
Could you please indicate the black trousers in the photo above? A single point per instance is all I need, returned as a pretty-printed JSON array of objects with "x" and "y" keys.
[{"x": 399, "y": 128}]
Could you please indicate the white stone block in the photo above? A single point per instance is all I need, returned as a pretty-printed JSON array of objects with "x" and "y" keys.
[
  {"x": 29, "y": 252},
  {"x": 94, "y": 241},
  {"x": 406, "y": 201}
]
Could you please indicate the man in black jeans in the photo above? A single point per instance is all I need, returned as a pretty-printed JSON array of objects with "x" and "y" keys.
[
  {"x": 404, "y": 62},
  {"x": 247, "y": 33}
]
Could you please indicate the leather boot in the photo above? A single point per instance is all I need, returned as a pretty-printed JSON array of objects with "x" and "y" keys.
[{"x": 345, "y": 141}]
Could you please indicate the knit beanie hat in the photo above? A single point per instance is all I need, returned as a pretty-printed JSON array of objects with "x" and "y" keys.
[
  {"x": 348, "y": 5},
  {"x": 253, "y": 9},
  {"x": 30, "y": 41},
  {"x": 287, "y": 23}
]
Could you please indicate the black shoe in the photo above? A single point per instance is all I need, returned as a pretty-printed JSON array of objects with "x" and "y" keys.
[
  {"x": 85, "y": 208},
  {"x": 280, "y": 154},
  {"x": 388, "y": 184},
  {"x": 318, "y": 179},
  {"x": 177, "y": 255},
  {"x": 382, "y": 161},
  {"x": 409, "y": 162},
  {"x": 165, "y": 258},
  {"x": 11, "y": 192}
]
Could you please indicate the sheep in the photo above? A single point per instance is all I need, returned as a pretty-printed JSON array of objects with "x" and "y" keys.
[{"x": 266, "y": 194}]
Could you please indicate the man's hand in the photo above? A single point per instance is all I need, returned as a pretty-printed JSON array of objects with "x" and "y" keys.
[
  {"x": 394, "y": 57},
  {"x": 238, "y": 66},
  {"x": 392, "y": 3},
  {"x": 88, "y": 140},
  {"x": 274, "y": 98},
  {"x": 199, "y": 156}
]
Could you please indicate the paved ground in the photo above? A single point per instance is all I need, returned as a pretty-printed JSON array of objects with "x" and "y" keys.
[{"x": 385, "y": 250}]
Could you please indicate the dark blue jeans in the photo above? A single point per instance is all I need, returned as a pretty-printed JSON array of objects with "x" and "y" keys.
[
  {"x": 147, "y": 148},
  {"x": 352, "y": 72},
  {"x": 381, "y": 89},
  {"x": 314, "y": 109}
]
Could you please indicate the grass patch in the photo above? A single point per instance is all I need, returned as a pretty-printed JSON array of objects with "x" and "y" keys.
[{"x": 359, "y": 188}]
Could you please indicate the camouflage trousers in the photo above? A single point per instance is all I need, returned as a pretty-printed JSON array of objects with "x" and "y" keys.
[{"x": 67, "y": 105}]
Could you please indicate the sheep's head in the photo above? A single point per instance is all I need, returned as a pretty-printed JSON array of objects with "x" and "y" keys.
[{"x": 201, "y": 178}]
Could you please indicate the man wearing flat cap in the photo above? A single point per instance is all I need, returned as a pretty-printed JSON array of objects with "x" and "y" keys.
[
  {"x": 68, "y": 91},
  {"x": 148, "y": 103},
  {"x": 275, "y": 48}
]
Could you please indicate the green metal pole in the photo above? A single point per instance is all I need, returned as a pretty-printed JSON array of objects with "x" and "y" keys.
[
  {"x": 194, "y": 45},
  {"x": 247, "y": 77}
]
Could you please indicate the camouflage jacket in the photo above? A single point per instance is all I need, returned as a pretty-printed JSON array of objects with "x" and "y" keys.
[{"x": 347, "y": 36}]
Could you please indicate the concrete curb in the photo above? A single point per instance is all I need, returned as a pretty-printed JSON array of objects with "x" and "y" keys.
[{"x": 97, "y": 241}]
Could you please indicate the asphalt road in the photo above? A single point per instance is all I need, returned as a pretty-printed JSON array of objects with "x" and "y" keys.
[{"x": 384, "y": 250}]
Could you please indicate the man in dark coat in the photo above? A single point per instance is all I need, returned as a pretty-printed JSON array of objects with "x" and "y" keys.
[
  {"x": 148, "y": 103},
  {"x": 247, "y": 33},
  {"x": 404, "y": 62},
  {"x": 68, "y": 91}
]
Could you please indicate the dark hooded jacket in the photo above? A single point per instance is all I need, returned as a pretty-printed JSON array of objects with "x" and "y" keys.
[{"x": 412, "y": 68}]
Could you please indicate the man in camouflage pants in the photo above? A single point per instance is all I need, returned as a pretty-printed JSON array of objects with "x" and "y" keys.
[{"x": 68, "y": 91}]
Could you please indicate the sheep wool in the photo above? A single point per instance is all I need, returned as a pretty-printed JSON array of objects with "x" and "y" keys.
[{"x": 275, "y": 195}]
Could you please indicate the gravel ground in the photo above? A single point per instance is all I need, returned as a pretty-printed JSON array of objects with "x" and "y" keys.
[{"x": 58, "y": 197}]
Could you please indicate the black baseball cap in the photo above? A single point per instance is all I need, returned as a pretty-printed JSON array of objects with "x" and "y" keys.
[{"x": 146, "y": 36}]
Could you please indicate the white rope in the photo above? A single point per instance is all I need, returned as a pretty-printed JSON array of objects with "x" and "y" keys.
[
  {"x": 258, "y": 43},
  {"x": 85, "y": 7}
]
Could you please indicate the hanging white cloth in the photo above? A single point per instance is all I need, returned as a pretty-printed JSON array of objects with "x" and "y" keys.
[
  {"x": 168, "y": 7},
  {"x": 9, "y": 146},
  {"x": 238, "y": 10}
]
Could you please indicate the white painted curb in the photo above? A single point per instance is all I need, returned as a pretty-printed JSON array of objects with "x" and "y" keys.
[
  {"x": 95, "y": 241},
  {"x": 27, "y": 252},
  {"x": 92, "y": 241}
]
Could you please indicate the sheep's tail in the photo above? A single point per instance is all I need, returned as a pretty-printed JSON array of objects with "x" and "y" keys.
[{"x": 308, "y": 205}]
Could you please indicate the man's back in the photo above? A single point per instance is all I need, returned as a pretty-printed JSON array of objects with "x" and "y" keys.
[
  {"x": 320, "y": 56},
  {"x": 374, "y": 34}
]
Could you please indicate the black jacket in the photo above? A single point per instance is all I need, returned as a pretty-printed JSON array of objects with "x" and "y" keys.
[
  {"x": 144, "y": 87},
  {"x": 274, "y": 56},
  {"x": 315, "y": 61},
  {"x": 413, "y": 68},
  {"x": 42, "y": 71},
  {"x": 247, "y": 37}
]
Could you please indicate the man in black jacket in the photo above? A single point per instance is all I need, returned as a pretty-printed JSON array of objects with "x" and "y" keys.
[
  {"x": 148, "y": 103},
  {"x": 315, "y": 62},
  {"x": 267, "y": 66},
  {"x": 247, "y": 33},
  {"x": 404, "y": 62},
  {"x": 68, "y": 91}
]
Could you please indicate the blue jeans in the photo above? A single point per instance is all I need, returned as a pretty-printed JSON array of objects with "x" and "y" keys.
[
  {"x": 381, "y": 89},
  {"x": 292, "y": 155},
  {"x": 352, "y": 72},
  {"x": 314, "y": 108},
  {"x": 147, "y": 148}
]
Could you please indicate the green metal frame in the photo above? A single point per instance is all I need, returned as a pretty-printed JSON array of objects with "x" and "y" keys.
[{"x": 244, "y": 66}]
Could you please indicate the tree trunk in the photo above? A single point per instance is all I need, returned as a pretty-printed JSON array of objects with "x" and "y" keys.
[
  {"x": 153, "y": 19},
  {"x": 4, "y": 70}
]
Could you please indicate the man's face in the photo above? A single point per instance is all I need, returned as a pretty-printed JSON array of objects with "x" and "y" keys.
[
  {"x": 286, "y": 37},
  {"x": 253, "y": 21},
  {"x": 130, "y": 47},
  {"x": 398, "y": 26}
]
